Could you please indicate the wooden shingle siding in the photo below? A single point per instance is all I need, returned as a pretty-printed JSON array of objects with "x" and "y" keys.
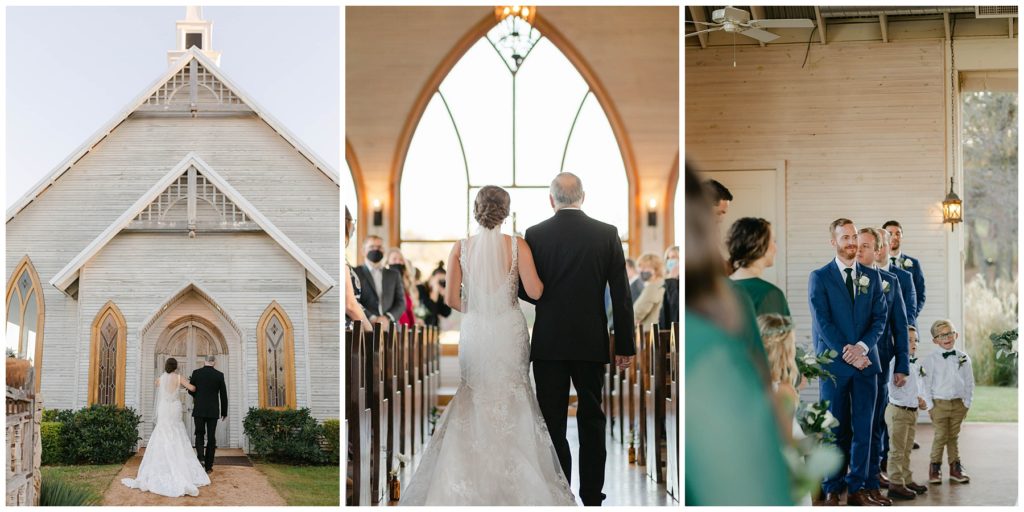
[{"x": 861, "y": 129}]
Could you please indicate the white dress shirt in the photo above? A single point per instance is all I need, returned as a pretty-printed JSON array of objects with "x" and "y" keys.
[
  {"x": 946, "y": 379},
  {"x": 906, "y": 396},
  {"x": 853, "y": 275}
]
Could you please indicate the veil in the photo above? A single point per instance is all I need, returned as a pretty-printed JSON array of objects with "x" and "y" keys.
[
  {"x": 166, "y": 391},
  {"x": 488, "y": 262}
]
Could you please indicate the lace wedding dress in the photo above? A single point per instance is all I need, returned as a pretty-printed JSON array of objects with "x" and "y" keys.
[
  {"x": 491, "y": 445},
  {"x": 169, "y": 467}
]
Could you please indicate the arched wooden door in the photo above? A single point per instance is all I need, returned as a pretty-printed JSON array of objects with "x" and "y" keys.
[{"x": 190, "y": 341}]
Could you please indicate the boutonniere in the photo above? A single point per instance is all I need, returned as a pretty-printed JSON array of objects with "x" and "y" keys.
[
  {"x": 862, "y": 283},
  {"x": 885, "y": 286},
  {"x": 961, "y": 361},
  {"x": 920, "y": 371},
  {"x": 906, "y": 263}
]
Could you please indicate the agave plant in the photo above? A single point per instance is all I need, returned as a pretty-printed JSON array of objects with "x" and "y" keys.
[{"x": 55, "y": 492}]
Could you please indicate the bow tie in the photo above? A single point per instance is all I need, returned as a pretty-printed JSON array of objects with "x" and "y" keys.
[
  {"x": 947, "y": 354},
  {"x": 913, "y": 359}
]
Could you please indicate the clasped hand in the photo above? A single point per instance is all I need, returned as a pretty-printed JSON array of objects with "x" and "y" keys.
[{"x": 855, "y": 356}]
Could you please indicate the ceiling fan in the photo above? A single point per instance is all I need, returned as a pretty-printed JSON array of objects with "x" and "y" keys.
[{"x": 737, "y": 21}]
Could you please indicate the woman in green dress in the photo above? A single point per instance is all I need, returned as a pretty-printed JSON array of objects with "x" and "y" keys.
[
  {"x": 733, "y": 446},
  {"x": 751, "y": 244}
]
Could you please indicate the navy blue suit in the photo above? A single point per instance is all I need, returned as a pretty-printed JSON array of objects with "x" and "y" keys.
[
  {"x": 909, "y": 292},
  {"x": 836, "y": 321},
  {"x": 893, "y": 348},
  {"x": 915, "y": 270}
]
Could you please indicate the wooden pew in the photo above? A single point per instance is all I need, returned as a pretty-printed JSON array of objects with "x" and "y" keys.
[
  {"x": 416, "y": 378},
  {"x": 672, "y": 414},
  {"x": 656, "y": 378},
  {"x": 358, "y": 417},
  {"x": 378, "y": 404},
  {"x": 405, "y": 372},
  {"x": 638, "y": 372},
  {"x": 393, "y": 396}
]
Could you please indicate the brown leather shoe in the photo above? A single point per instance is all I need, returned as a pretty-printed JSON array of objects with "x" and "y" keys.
[
  {"x": 916, "y": 487},
  {"x": 900, "y": 492},
  {"x": 861, "y": 498},
  {"x": 883, "y": 479},
  {"x": 935, "y": 473},
  {"x": 877, "y": 495},
  {"x": 957, "y": 473},
  {"x": 831, "y": 500}
]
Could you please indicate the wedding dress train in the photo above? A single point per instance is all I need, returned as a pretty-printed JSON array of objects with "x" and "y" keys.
[{"x": 491, "y": 445}]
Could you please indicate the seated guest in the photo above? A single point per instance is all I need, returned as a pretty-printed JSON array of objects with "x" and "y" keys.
[
  {"x": 670, "y": 306},
  {"x": 432, "y": 297},
  {"x": 396, "y": 261},
  {"x": 636, "y": 285},
  {"x": 732, "y": 435},
  {"x": 353, "y": 309},
  {"x": 647, "y": 306},
  {"x": 751, "y": 244},
  {"x": 383, "y": 295}
]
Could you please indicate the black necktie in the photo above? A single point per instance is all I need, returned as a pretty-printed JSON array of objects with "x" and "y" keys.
[
  {"x": 947, "y": 354},
  {"x": 893, "y": 260},
  {"x": 849, "y": 282}
]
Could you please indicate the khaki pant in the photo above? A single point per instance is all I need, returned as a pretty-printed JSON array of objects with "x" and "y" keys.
[
  {"x": 947, "y": 416},
  {"x": 902, "y": 427}
]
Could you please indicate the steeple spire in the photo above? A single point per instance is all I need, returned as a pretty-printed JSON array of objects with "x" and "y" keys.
[{"x": 193, "y": 31}]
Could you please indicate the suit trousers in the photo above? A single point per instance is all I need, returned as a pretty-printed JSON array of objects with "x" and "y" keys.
[
  {"x": 206, "y": 428},
  {"x": 878, "y": 430},
  {"x": 902, "y": 425},
  {"x": 852, "y": 402},
  {"x": 947, "y": 416},
  {"x": 552, "y": 379}
]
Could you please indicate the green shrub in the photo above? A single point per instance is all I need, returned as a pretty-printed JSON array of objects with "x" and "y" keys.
[
  {"x": 61, "y": 415},
  {"x": 332, "y": 440},
  {"x": 54, "y": 492},
  {"x": 289, "y": 436},
  {"x": 53, "y": 443},
  {"x": 101, "y": 434},
  {"x": 988, "y": 310}
]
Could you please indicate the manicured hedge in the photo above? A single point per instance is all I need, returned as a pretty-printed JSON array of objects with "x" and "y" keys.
[
  {"x": 99, "y": 434},
  {"x": 53, "y": 443},
  {"x": 288, "y": 436},
  {"x": 332, "y": 440}
]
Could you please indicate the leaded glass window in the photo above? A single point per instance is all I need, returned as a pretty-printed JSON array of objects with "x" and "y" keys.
[
  {"x": 106, "y": 393},
  {"x": 24, "y": 314},
  {"x": 276, "y": 362}
]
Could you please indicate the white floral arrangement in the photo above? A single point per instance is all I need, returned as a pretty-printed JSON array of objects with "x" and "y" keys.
[
  {"x": 961, "y": 361},
  {"x": 862, "y": 283},
  {"x": 906, "y": 262}
]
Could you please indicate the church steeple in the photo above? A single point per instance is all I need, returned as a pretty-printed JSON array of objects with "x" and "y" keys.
[{"x": 193, "y": 31}]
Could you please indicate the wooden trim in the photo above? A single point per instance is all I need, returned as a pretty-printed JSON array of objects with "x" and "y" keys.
[
  {"x": 361, "y": 203},
  {"x": 670, "y": 204},
  {"x": 275, "y": 309},
  {"x": 12, "y": 286},
  {"x": 108, "y": 309},
  {"x": 463, "y": 45}
]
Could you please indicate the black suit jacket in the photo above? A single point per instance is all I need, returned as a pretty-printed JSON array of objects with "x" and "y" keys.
[
  {"x": 391, "y": 300},
  {"x": 576, "y": 257},
  {"x": 209, "y": 383}
]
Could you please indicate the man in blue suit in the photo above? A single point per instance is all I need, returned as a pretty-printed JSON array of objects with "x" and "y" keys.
[
  {"x": 893, "y": 348},
  {"x": 848, "y": 315},
  {"x": 900, "y": 260}
]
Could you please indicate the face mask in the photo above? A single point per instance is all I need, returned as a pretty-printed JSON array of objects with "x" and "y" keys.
[
  {"x": 671, "y": 264},
  {"x": 646, "y": 275},
  {"x": 375, "y": 255},
  {"x": 399, "y": 267}
]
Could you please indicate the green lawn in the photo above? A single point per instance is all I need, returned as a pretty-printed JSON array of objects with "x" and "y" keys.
[
  {"x": 304, "y": 485},
  {"x": 95, "y": 479},
  {"x": 993, "y": 404}
]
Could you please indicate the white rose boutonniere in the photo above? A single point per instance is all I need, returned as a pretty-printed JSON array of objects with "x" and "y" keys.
[
  {"x": 920, "y": 371},
  {"x": 885, "y": 286},
  {"x": 961, "y": 361},
  {"x": 862, "y": 283},
  {"x": 907, "y": 263}
]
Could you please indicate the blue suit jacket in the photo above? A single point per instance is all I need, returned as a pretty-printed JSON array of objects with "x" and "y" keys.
[
  {"x": 836, "y": 322},
  {"x": 894, "y": 342},
  {"x": 909, "y": 293},
  {"x": 915, "y": 270}
]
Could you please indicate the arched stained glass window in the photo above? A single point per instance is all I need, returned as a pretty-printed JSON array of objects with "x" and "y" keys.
[
  {"x": 25, "y": 315},
  {"x": 513, "y": 112},
  {"x": 107, "y": 357},
  {"x": 276, "y": 359}
]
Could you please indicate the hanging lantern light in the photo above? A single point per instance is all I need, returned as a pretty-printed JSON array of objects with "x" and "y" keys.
[{"x": 952, "y": 208}]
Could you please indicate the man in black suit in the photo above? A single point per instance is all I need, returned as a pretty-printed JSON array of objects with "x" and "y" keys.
[
  {"x": 210, "y": 389},
  {"x": 383, "y": 294},
  {"x": 576, "y": 257}
]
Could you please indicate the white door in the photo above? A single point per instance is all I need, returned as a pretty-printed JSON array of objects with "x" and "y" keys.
[
  {"x": 755, "y": 193},
  {"x": 190, "y": 344}
]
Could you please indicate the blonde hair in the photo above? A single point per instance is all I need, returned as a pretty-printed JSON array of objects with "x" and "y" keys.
[
  {"x": 780, "y": 345},
  {"x": 940, "y": 324},
  {"x": 654, "y": 261},
  {"x": 408, "y": 281}
]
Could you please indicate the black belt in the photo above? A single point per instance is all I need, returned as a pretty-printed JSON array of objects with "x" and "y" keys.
[{"x": 912, "y": 409}]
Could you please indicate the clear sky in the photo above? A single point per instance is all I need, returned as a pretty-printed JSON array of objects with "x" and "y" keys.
[{"x": 70, "y": 69}]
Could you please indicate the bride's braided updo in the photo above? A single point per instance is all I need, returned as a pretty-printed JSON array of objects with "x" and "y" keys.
[{"x": 491, "y": 206}]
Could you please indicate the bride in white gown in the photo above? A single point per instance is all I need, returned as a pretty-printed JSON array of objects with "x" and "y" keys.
[
  {"x": 169, "y": 466},
  {"x": 491, "y": 445}
]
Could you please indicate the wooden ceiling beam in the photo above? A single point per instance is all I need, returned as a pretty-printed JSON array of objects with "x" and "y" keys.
[
  {"x": 821, "y": 23},
  {"x": 945, "y": 24},
  {"x": 697, "y": 13},
  {"x": 757, "y": 12},
  {"x": 883, "y": 22}
]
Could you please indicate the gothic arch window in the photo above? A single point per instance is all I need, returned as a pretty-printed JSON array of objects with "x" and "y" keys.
[
  {"x": 26, "y": 313},
  {"x": 107, "y": 357},
  {"x": 513, "y": 111},
  {"x": 275, "y": 344}
]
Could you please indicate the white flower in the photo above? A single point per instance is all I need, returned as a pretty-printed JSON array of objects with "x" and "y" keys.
[
  {"x": 863, "y": 281},
  {"x": 885, "y": 286},
  {"x": 810, "y": 359},
  {"x": 907, "y": 263},
  {"x": 830, "y": 421}
]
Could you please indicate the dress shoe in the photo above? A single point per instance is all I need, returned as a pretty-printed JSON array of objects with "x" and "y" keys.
[
  {"x": 877, "y": 495},
  {"x": 209, "y": 470},
  {"x": 883, "y": 480},
  {"x": 957, "y": 473},
  {"x": 916, "y": 487},
  {"x": 935, "y": 473},
  {"x": 861, "y": 498},
  {"x": 916, "y": 446},
  {"x": 900, "y": 492},
  {"x": 831, "y": 500}
]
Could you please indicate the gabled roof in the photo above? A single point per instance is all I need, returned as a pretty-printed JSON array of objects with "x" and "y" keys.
[
  {"x": 134, "y": 105},
  {"x": 314, "y": 273}
]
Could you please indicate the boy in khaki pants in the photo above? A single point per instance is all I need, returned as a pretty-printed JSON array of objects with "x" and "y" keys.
[
  {"x": 901, "y": 419},
  {"x": 948, "y": 387}
]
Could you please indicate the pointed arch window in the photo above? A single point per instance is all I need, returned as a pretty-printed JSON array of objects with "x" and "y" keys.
[
  {"x": 275, "y": 344},
  {"x": 107, "y": 357},
  {"x": 26, "y": 313},
  {"x": 513, "y": 112}
]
